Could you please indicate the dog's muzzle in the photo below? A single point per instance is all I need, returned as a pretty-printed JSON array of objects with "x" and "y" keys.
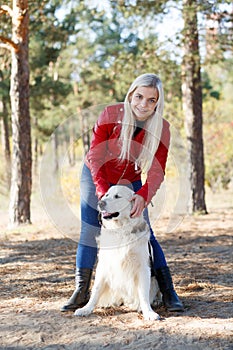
[{"x": 104, "y": 214}]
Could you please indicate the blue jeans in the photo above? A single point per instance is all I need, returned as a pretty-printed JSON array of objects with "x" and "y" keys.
[{"x": 90, "y": 227}]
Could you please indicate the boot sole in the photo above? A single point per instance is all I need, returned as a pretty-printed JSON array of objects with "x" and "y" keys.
[
  {"x": 68, "y": 308},
  {"x": 175, "y": 309}
]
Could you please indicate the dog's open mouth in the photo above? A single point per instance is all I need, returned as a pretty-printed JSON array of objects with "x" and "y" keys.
[{"x": 108, "y": 216}]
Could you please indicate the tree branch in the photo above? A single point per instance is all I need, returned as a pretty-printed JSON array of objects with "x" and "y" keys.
[
  {"x": 5, "y": 46},
  {"x": 7, "y": 10},
  {"x": 8, "y": 43}
]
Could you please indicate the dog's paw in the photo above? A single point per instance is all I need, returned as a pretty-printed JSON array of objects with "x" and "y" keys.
[
  {"x": 151, "y": 316},
  {"x": 82, "y": 312}
]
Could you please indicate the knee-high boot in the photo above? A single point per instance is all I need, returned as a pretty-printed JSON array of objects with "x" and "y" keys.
[
  {"x": 81, "y": 294},
  {"x": 170, "y": 299}
]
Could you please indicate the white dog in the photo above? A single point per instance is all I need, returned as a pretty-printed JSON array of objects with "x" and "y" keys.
[{"x": 123, "y": 273}]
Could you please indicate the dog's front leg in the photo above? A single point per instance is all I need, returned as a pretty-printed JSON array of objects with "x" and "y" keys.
[
  {"x": 144, "y": 298},
  {"x": 97, "y": 289}
]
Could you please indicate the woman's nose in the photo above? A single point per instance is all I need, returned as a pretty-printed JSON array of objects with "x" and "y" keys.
[{"x": 143, "y": 103}]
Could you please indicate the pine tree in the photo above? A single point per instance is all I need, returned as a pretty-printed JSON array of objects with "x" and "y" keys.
[
  {"x": 192, "y": 105},
  {"x": 21, "y": 179}
]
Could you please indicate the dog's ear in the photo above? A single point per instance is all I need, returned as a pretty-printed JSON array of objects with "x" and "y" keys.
[{"x": 100, "y": 218}]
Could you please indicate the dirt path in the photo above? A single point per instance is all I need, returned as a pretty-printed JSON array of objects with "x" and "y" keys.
[{"x": 37, "y": 268}]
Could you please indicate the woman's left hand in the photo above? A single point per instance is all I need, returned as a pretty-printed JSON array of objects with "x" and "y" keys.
[{"x": 138, "y": 205}]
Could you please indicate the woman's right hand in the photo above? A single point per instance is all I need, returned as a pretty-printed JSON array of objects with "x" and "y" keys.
[{"x": 139, "y": 205}]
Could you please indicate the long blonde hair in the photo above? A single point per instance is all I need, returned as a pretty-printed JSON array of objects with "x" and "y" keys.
[{"x": 153, "y": 125}]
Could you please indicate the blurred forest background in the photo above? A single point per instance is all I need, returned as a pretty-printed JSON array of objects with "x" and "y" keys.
[{"x": 87, "y": 53}]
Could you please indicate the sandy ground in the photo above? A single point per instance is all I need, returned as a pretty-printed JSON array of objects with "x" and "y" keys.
[{"x": 37, "y": 277}]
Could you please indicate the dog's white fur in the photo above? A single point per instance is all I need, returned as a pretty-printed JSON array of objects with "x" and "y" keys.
[{"x": 123, "y": 274}]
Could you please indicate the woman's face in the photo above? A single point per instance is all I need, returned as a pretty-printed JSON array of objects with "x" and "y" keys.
[{"x": 143, "y": 102}]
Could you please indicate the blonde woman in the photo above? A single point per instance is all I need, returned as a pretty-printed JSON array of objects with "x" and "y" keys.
[{"x": 128, "y": 138}]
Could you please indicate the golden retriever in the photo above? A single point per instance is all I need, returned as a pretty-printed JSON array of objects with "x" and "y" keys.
[{"x": 123, "y": 274}]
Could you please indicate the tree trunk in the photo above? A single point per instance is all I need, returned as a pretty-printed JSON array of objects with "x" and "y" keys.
[
  {"x": 5, "y": 140},
  {"x": 19, "y": 210},
  {"x": 55, "y": 152},
  {"x": 192, "y": 105},
  {"x": 84, "y": 127},
  {"x": 35, "y": 149}
]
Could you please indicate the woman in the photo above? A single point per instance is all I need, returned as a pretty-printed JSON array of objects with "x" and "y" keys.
[{"x": 128, "y": 138}]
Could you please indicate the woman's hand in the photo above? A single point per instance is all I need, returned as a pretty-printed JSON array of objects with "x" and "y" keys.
[{"x": 138, "y": 205}]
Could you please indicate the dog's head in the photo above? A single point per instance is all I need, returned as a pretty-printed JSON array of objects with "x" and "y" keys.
[{"x": 115, "y": 206}]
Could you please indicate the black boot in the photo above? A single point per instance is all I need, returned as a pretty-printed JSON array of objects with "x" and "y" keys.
[
  {"x": 81, "y": 294},
  {"x": 170, "y": 299}
]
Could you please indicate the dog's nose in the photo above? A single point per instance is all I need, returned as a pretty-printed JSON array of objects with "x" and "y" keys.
[{"x": 102, "y": 204}]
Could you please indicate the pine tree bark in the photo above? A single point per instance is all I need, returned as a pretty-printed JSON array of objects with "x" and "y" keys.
[
  {"x": 21, "y": 180},
  {"x": 5, "y": 139},
  {"x": 192, "y": 106}
]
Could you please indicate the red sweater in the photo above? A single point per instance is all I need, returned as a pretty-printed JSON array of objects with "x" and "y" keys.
[{"x": 103, "y": 156}]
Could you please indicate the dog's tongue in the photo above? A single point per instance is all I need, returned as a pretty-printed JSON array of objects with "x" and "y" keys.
[{"x": 105, "y": 214}]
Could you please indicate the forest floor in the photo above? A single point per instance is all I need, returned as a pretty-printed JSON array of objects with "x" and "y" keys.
[{"x": 37, "y": 277}]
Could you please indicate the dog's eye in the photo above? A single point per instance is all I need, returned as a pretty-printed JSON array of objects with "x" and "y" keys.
[{"x": 117, "y": 196}]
